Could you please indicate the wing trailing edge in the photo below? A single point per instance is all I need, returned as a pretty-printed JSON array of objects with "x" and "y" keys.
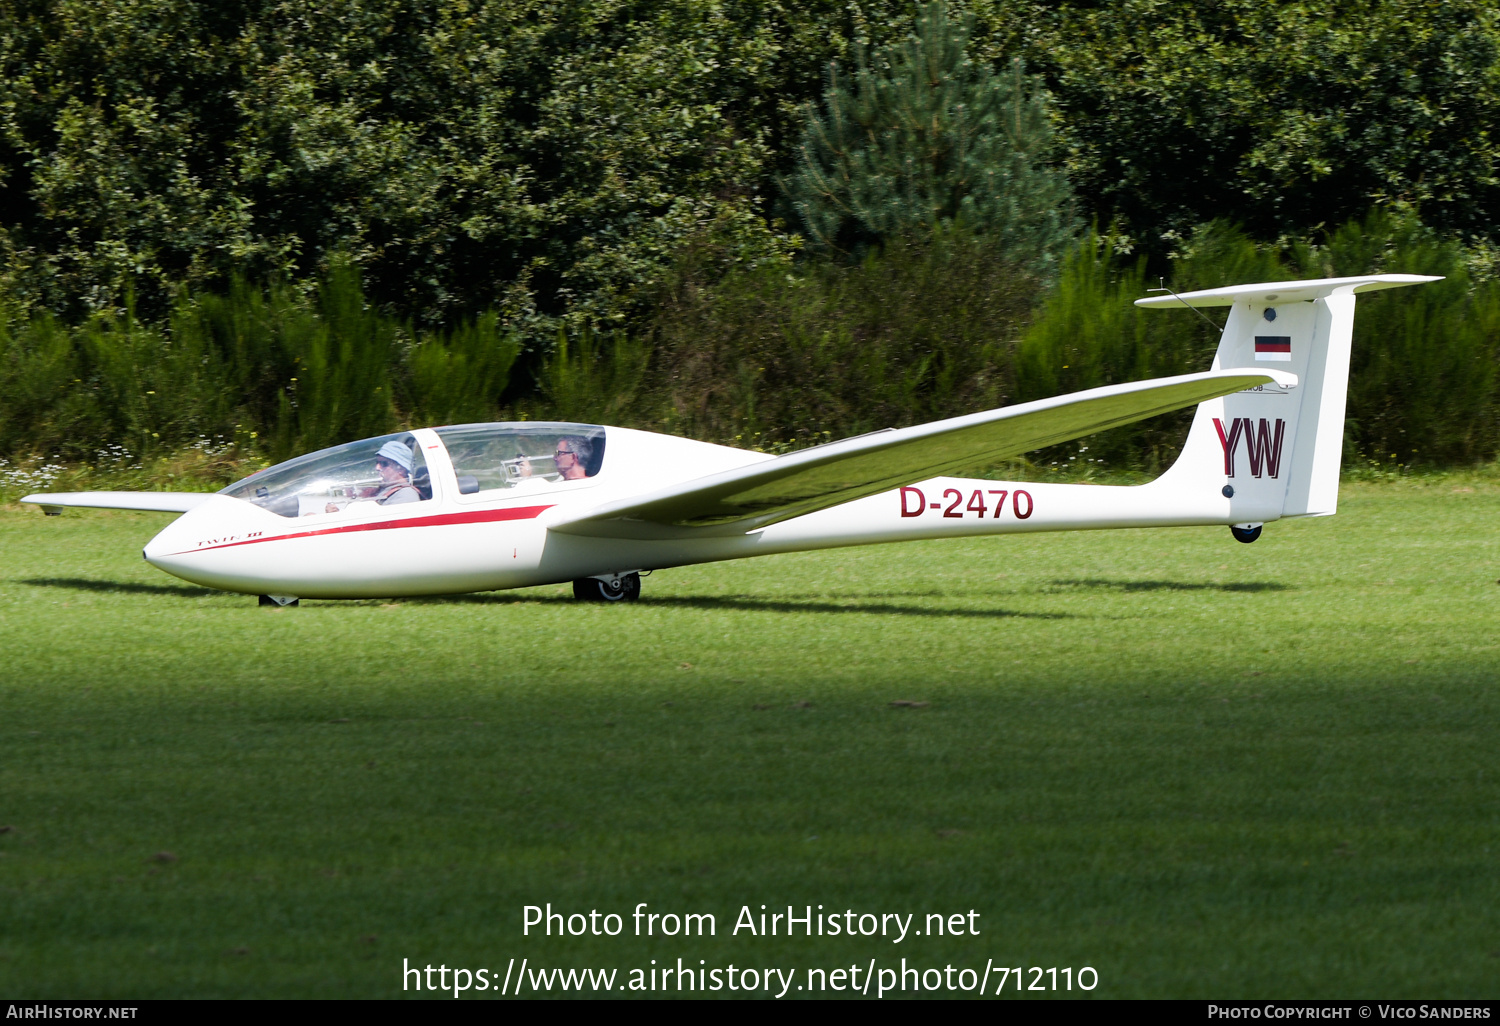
[{"x": 749, "y": 498}]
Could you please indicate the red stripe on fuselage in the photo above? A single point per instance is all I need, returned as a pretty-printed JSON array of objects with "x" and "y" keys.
[{"x": 478, "y": 516}]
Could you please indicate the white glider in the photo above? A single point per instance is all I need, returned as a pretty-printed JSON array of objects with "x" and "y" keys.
[{"x": 433, "y": 510}]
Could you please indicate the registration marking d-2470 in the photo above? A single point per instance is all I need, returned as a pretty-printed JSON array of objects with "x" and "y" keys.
[{"x": 914, "y": 503}]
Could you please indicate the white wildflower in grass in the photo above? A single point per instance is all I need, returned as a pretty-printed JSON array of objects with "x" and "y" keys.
[
  {"x": 28, "y": 477},
  {"x": 116, "y": 457}
]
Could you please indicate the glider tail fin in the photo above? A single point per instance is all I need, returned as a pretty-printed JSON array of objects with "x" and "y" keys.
[{"x": 1270, "y": 451}]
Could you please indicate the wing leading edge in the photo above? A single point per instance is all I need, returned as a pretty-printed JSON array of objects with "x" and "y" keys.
[
  {"x": 164, "y": 502},
  {"x": 749, "y": 498}
]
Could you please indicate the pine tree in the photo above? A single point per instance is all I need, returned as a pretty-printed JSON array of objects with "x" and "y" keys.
[{"x": 926, "y": 137}]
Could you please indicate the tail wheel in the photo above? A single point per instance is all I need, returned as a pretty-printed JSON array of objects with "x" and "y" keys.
[
  {"x": 625, "y": 588},
  {"x": 1247, "y": 533}
]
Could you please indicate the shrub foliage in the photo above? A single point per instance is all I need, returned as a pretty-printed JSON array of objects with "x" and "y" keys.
[
  {"x": 277, "y": 224},
  {"x": 270, "y": 370}
]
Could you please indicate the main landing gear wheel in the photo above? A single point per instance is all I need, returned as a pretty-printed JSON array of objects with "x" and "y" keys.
[
  {"x": 277, "y": 601},
  {"x": 625, "y": 588},
  {"x": 1246, "y": 533}
]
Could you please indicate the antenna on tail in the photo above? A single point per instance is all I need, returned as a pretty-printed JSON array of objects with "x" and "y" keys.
[{"x": 1203, "y": 316}]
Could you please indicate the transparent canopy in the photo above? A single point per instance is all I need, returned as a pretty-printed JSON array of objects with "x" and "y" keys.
[
  {"x": 391, "y": 470},
  {"x": 386, "y": 471},
  {"x": 522, "y": 457}
]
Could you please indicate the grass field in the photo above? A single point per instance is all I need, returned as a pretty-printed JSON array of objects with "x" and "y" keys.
[{"x": 1202, "y": 768}]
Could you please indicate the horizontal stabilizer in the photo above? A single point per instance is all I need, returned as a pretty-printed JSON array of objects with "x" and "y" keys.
[
  {"x": 802, "y": 482},
  {"x": 1285, "y": 291},
  {"x": 164, "y": 502}
]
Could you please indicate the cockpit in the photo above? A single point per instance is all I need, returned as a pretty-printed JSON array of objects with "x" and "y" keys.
[{"x": 488, "y": 461}]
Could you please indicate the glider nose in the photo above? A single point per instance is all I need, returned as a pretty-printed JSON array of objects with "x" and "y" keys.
[
  {"x": 166, "y": 550},
  {"x": 175, "y": 549}
]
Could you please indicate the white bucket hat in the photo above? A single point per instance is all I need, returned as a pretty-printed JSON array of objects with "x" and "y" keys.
[{"x": 398, "y": 453}]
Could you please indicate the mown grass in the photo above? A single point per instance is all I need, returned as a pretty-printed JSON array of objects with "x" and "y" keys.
[{"x": 1202, "y": 768}]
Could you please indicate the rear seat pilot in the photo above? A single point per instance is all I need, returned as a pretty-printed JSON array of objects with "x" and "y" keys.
[{"x": 572, "y": 457}]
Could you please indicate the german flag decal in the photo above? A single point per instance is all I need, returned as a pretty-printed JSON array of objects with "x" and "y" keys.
[{"x": 1274, "y": 347}]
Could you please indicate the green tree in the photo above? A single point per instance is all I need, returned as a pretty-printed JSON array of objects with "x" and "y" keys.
[
  {"x": 543, "y": 158},
  {"x": 1284, "y": 117},
  {"x": 925, "y": 136},
  {"x": 116, "y": 126}
]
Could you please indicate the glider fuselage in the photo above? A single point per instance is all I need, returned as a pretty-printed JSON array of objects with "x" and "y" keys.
[{"x": 460, "y": 543}]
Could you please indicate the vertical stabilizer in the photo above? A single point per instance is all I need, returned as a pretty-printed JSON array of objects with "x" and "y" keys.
[{"x": 1269, "y": 451}]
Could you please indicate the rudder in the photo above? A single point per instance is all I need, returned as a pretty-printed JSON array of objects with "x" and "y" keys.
[{"x": 1273, "y": 452}]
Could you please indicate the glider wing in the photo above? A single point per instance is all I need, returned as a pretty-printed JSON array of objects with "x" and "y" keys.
[
  {"x": 749, "y": 498},
  {"x": 165, "y": 502}
]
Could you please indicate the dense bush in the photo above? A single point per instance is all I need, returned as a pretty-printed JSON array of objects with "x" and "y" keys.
[
  {"x": 778, "y": 354},
  {"x": 1424, "y": 379},
  {"x": 270, "y": 370},
  {"x": 786, "y": 354}
]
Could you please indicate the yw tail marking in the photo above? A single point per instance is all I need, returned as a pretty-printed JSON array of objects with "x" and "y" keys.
[
  {"x": 1262, "y": 444},
  {"x": 1262, "y": 449},
  {"x": 1231, "y": 441}
]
